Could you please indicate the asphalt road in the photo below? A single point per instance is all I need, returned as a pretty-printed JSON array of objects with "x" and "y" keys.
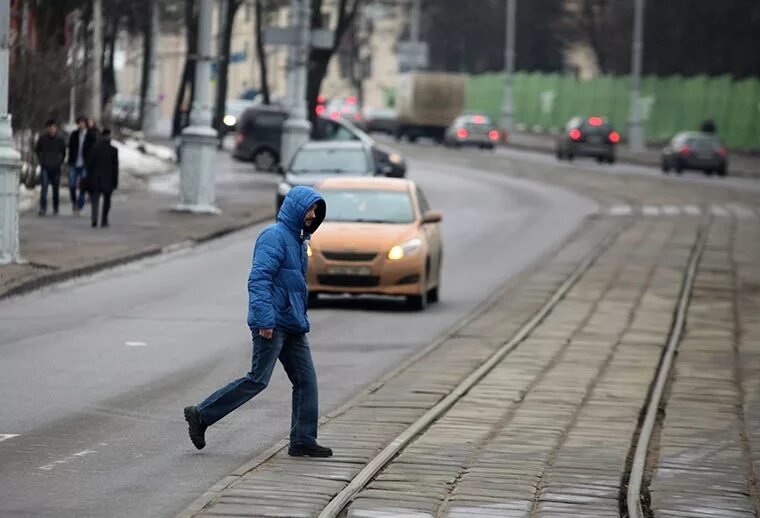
[{"x": 95, "y": 372}]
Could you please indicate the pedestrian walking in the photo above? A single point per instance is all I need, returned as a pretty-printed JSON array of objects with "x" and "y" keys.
[
  {"x": 51, "y": 152},
  {"x": 277, "y": 301},
  {"x": 708, "y": 126},
  {"x": 102, "y": 176},
  {"x": 81, "y": 143}
]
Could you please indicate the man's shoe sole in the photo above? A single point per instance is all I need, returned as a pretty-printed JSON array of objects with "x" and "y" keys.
[{"x": 298, "y": 452}]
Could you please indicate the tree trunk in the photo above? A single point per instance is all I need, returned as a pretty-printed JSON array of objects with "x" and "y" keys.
[
  {"x": 188, "y": 72},
  {"x": 223, "y": 65},
  {"x": 261, "y": 54},
  {"x": 146, "y": 64}
]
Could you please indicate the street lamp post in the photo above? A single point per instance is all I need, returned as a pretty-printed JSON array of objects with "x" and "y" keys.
[
  {"x": 297, "y": 127},
  {"x": 507, "y": 109},
  {"x": 636, "y": 131},
  {"x": 9, "y": 157},
  {"x": 199, "y": 140}
]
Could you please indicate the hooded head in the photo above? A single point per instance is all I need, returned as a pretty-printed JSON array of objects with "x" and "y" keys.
[{"x": 295, "y": 206}]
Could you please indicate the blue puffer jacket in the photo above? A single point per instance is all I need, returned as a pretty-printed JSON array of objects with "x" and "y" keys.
[{"x": 277, "y": 294}]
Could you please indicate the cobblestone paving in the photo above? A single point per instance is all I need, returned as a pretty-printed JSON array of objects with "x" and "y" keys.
[
  {"x": 561, "y": 449},
  {"x": 710, "y": 432}
]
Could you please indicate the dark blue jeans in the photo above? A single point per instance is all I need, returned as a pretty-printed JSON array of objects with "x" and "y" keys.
[
  {"x": 295, "y": 356},
  {"x": 75, "y": 175},
  {"x": 50, "y": 178}
]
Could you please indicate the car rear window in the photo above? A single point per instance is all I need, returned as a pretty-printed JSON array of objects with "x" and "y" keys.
[
  {"x": 370, "y": 206},
  {"x": 338, "y": 161},
  {"x": 704, "y": 144},
  {"x": 602, "y": 129}
]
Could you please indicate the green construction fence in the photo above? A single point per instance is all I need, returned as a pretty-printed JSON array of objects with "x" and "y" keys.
[{"x": 545, "y": 102}]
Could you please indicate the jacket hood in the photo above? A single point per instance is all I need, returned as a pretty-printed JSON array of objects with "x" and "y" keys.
[{"x": 295, "y": 206}]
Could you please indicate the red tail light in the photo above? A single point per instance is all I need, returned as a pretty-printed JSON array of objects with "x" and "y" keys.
[
  {"x": 684, "y": 150},
  {"x": 351, "y": 99},
  {"x": 321, "y": 99},
  {"x": 478, "y": 119},
  {"x": 357, "y": 116},
  {"x": 575, "y": 134},
  {"x": 462, "y": 133},
  {"x": 723, "y": 151},
  {"x": 493, "y": 135},
  {"x": 320, "y": 109},
  {"x": 335, "y": 115},
  {"x": 595, "y": 121},
  {"x": 238, "y": 138},
  {"x": 614, "y": 137}
]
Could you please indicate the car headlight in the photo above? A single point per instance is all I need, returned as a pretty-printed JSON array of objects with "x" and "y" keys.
[
  {"x": 406, "y": 249},
  {"x": 283, "y": 189},
  {"x": 395, "y": 158},
  {"x": 230, "y": 120},
  {"x": 309, "y": 253}
]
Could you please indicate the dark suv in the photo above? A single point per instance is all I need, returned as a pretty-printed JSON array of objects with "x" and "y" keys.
[
  {"x": 259, "y": 136},
  {"x": 588, "y": 136}
]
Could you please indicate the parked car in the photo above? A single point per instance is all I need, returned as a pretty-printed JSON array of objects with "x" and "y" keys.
[
  {"x": 259, "y": 137},
  {"x": 382, "y": 120},
  {"x": 233, "y": 109},
  {"x": 472, "y": 130},
  {"x": 315, "y": 161},
  {"x": 379, "y": 237},
  {"x": 588, "y": 136},
  {"x": 699, "y": 151}
]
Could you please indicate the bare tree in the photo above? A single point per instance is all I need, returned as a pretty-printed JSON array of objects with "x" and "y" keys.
[
  {"x": 260, "y": 53},
  {"x": 223, "y": 65},
  {"x": 319, "y": 59}
]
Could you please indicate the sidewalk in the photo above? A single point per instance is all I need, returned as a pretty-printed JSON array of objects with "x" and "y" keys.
[
  {"x": 739, "y": 164},
  {"x": 142, "y": 225}
]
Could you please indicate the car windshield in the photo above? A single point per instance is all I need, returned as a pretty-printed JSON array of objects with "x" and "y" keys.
[
  {"x": 330, "y": 160},
  {"x": 368, "y": 206}
]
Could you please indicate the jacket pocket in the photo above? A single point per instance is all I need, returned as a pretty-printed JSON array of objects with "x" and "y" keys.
[{"x": 298, "y": 310}]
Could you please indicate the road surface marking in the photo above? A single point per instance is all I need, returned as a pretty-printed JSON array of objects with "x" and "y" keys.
[
  {"x": 692, "y": 210},
  {"x": 717, "y": 210},
  {"x": 135, "y": 344},
  {"x": 6, "y": 436},
  {"x": 741, "y": 211},
  {"x": 620, "y": 210},
  {"x": 79, "y": 454},
  {"x": 650, "y": 210},
  {"x": 671, "y": 210}
]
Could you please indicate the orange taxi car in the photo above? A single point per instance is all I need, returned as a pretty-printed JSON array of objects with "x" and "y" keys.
[{"x": 379, "y": 237}]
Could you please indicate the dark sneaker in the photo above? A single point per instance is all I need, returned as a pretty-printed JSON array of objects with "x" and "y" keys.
[
  {"x": 195, "y": 426},
  {"x": 314, "y": 450}
]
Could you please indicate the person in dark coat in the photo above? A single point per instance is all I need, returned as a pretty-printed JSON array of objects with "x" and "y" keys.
[
  {"x": 81, "y": 143},
  {"x": 102, "y": 176},
  {"x": 277, "y": 302},
  {"x": 708, "y": 126},
  {"x": 51, "y": 152}
]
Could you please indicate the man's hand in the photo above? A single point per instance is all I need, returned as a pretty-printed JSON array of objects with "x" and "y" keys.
[{"x": 266, "y": 333}]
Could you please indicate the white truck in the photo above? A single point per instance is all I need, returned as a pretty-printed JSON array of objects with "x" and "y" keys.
[{"x": 427, "y": 103}]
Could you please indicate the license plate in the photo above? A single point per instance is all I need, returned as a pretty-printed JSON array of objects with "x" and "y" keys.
[
  {"x": 349, "y": 270},
  {"x": 594, "y": 139}
]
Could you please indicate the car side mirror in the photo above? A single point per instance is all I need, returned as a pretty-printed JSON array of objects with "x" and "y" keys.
[
  {"x": 385, "y": 170},
  {"x": 432, "y": 216},
  {"x": 280, "y": 170}
]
